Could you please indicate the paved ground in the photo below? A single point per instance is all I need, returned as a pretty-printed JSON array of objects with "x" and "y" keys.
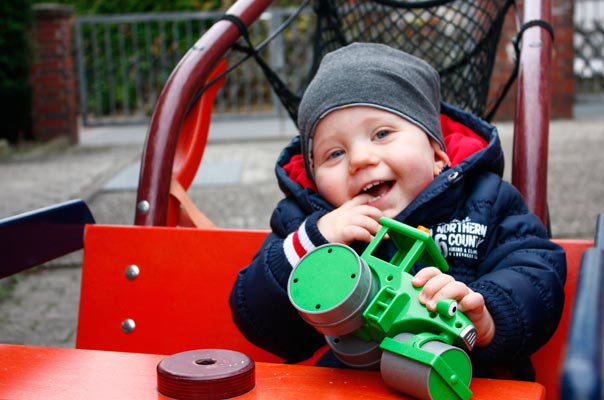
[{"x": 236, "y": 189}]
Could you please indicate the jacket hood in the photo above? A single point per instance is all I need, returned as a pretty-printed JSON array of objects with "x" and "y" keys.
[{"x": 472, "y": 144}]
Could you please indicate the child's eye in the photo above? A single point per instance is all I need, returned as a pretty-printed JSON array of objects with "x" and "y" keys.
[
  {"x": 335, "y": 154},
  {"x": 382, "y": 134}
]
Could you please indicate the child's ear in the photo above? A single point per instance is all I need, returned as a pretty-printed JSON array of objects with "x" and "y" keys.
[{"x": 440, "y": 157}]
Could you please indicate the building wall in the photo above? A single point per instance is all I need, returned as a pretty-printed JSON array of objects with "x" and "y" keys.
[{"x": 54, "y": 104}]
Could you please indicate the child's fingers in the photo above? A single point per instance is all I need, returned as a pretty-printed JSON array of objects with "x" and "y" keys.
[
  {"x": 358, "y": 233},
  {"x": 359, "y": 227},
  {"x": 374, "y": 214},
  {"x": 424, "y": 275},
  {"x": 359, "y": 200},
  {"x": 449, "y": 290},
  {"x": 365, "y": 222},
  {"x": 432, "y": 288},
  {"x": 473, "y": 301}
]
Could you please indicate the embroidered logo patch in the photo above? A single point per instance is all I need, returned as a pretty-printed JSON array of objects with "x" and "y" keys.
[{"x": 459, "y": 238}]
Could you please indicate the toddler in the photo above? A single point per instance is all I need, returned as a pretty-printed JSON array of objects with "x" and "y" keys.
[{"x": 376, "y": 140}]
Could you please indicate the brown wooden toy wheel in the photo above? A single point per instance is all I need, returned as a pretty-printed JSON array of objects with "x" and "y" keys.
[{"x": 205, "y": 374}]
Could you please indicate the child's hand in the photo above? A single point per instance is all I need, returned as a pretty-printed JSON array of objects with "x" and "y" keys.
[
  {"x": 437, "y": 286},
  {"x": 353, "y": 220}
]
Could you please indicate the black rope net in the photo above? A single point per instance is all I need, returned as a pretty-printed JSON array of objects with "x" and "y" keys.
[{"x": 458, "y": 37}]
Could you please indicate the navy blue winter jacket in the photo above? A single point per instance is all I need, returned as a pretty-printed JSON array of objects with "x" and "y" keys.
[{"x": 481, "y": 223}]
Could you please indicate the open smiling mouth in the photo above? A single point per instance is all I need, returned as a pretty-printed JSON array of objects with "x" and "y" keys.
[{"x": 377, "y": 189}]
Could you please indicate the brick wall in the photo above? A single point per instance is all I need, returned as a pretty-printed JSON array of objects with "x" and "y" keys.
[
  {"x": 562, "y": 88},
  {"x": 54, "y": 106}
]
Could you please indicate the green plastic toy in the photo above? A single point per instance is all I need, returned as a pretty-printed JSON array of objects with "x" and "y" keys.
[{"x": 372, "y": 318}]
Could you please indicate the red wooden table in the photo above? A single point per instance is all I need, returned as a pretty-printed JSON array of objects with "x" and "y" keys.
[{"x": 28, "y": 372}]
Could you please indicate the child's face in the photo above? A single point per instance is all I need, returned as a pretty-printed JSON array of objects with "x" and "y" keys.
[{"x": 365, "y": 151}]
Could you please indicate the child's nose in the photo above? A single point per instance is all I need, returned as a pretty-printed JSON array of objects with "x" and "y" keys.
[{"x": 361, "y": 156}]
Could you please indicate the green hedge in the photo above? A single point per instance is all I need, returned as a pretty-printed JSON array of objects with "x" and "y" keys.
[
  {"x": 94, "y": 7},
  {"x": 15, "y": 58},
  {"x": 97, "y": 7}
]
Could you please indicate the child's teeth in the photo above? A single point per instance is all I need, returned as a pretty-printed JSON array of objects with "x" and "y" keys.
[
  {"x": 366, "y": 188},
  {"x": 375, "y": 198}
]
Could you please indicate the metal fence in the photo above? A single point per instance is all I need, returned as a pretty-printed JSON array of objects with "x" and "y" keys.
[
  {"x": 589, "y": 50},
  {"x": 123, "y": 62}
]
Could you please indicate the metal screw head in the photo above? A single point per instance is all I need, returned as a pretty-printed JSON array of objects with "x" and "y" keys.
[
  {"x": 132, "y": 271},
  {"x": 128, "y": 325},
  {"x": 199, "y": 46},
  {"x": 143, "y": 206},
  {"x": 453, "y": 176}
]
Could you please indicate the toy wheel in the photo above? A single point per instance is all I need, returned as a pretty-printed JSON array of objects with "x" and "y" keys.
[
  {"x": 422, "y": 380},
  {"x": 207, "y": 374},
  {"x": 355, "y": 352},
  {"x": 331, "y": 287}
]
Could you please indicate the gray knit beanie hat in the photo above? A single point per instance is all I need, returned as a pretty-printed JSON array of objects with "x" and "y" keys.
[{"x": 375, "y": 75}]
